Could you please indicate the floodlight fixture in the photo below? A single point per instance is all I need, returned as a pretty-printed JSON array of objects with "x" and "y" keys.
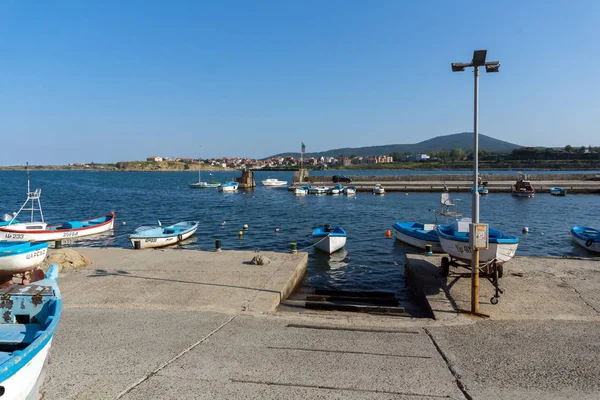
[
  {"x": 459, "y": 67},
  {"x": 492, "y": 66},
  {"x": 479, "y": 58}
]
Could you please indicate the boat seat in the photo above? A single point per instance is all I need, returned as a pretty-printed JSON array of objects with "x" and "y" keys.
[{"x": 11, "y": 334}]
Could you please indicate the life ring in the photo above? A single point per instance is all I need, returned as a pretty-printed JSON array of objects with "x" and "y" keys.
[
  {"x": 589, "y": 242},
  {"x": 179, "y": 238}
]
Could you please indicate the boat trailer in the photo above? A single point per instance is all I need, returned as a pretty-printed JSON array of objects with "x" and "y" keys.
[{"x": 492, "y": 270}]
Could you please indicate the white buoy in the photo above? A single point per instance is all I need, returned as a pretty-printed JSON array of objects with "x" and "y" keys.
[
  {"x": 245, "y": 226},
  {"x": 276, "y": 229},
  {"x": 223, "y": 223},
  {"x": 124, "y": 223},
  {"x": 525, "y": 229}
]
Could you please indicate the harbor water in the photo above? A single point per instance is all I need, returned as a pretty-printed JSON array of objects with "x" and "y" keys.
[{"x": 275, "y": 218}]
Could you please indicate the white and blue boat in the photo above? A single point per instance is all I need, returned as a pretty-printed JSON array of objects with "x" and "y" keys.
[
  {"x": 301, "y": 191},
  {"x": 329, "y": 239},
  {"x": 350, "y": 190},
  {"x": 16, "y": 257},
  {"x": 455, "y": 241},
  {"x": 483, "y": 191},
  {"x": 337, "y": 189},
  {"x": 586, "y": 237},
  {"x": 319, "y": 190},
  {"x": 556, "y": 191},
  {"x": 418, "y": 235},
  {"x": 228, "y": 187},
  {"x": 30, "y": 317},
  {"x": 146, "y": 237}
]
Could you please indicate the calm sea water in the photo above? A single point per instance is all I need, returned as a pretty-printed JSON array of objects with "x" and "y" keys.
[{"x": 370, "y": 261}]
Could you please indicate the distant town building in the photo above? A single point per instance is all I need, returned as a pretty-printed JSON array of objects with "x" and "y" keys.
[
  {"x": 154, "y": 158},
  {"x": 186, "y": 160}
]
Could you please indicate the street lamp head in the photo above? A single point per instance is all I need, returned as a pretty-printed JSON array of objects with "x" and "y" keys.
[
  {"x": 458, "y": 67},
  {"x": 492, "y": 66},
  {"x": 479, "y": 58}
]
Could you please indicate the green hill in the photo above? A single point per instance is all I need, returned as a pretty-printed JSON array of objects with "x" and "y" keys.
[{"x": 462, "y": 141}]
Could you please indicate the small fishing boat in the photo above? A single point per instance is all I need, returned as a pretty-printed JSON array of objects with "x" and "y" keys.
[
  {"x": 556, "y": 191},
  {"x": 21, "y": 257},
  {"x": 41, "y": 232},
  {"x": 523, "y": 187},
  {"x": 586, "y": 237},
  {"x": 418, "y": 235},
  {"x": 337, "y": 189},
  {"x": 319, "y": 190},
  {"x": 274, "y": 182},
  {"x": 455, "y": 241},
  {"x": 301, "y": 191},
  {"x": 228, "y": 187},
  {"x": 350, "y": 190},
  {"x": 146, "y": 237},
  {"x": 483, "y": 191},
  {"x": 31, "y": 316},
  {"x": 329, "y": 240},
  {"x": 203, "y": 185},
  {"x": 378, "y": 189}
]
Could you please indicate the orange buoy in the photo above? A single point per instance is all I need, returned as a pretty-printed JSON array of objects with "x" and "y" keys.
[{"x": 388, "y": 233}]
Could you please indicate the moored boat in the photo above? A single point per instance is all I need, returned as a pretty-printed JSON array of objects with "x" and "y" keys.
[
  {"x": 454, "y": 240},
  {"x": 204, "y": 185},
  {"x": 300, "y": 191},
  {"x": 418, "y": 235},
  {"x": 228, "y": 187},
  {"x": 319, "y": 190},
  {"x": 482, "y": 190},
  {"x": 378, "y": 189},
  {"x": 337, "y": 189},
  {"x": 523, "y": 187},
  {"x": 21, "y": 257},
  {"x": 146, "y": 237},
  {"x": 41, "y": 232},
  {"x": 350, "y": 190},
  {"x": 329, "y": 239},
  {"x": 274, "y": 182},
  {"x": 586, "y": 237},
  {"x": 31, "y": 316},
  {"x": 556, "y": 191}
]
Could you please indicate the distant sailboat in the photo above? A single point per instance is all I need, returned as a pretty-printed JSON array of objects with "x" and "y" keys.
[{"x": 203, "y": 185}]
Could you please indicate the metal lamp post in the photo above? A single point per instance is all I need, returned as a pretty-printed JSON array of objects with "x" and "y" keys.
[{"x": 490, "y": 66}]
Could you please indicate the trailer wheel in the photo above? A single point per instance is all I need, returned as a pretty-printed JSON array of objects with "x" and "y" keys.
[{"x": 445, "y": 266}]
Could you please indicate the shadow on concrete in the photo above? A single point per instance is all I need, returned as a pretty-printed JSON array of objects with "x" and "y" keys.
[{"x": 100, "y": 273}]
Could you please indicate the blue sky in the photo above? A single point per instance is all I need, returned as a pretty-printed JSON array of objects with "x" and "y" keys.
[{"x": 105, "y": 81}]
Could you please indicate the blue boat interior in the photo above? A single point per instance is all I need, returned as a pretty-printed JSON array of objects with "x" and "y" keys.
[
  {"x": 586, "y": 232},
  {"x": 327, "y": 230},
  {"x": 29, "y": 317},
  {"x": 418, "y": 230},
  {"x": 459, "y": 231},
  {"x": 158, "y": 231},
  {"x": 13, "y": 248}
]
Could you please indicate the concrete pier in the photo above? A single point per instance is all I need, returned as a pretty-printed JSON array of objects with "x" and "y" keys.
[{"x": 180, "y": 324}]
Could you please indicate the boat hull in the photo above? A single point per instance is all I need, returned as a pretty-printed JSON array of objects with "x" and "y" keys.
[
  {"x": 330, "y": 244},
  {"x": 587, "y": 238},
  {"x": 300, "y": 192},
  {"x": 154, "y": 242},
  {"x": 203, "y": 185},
  {"x": 516, "y": 193},
  {"x": 21, "y": 262},
  {"x": 274, "y": 183},
  {"x": 460, "y": 250},
  {"x": 55, "y": 232},
  {"x": 416, "y": 240}
]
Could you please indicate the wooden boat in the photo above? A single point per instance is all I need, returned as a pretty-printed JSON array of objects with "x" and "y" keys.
[
  {"x": 146, "y": 237},
  {"x": 21, "y": 257},
  {"x": 337, "y": 189},
  {"x": 319, "y": 190},
  {"x": 418, "y": 235},
  {"x": 350, "y": 190},
  {"x": 228, "y": 187},
  {"x": 301, "y": 191},
  {"x": 274, "y": 182},
  {"x": 378, "y": 189},
  {"x": 586, "y": 237},
  {"x": 556, "y": 191},
  {"x": 41, "y": 232},
  {"x": 523, "y": 187},
  {"x": 455, "y": 241},
  {"x": 329, "y": 240},
  {"x": 31, "y": 316}
]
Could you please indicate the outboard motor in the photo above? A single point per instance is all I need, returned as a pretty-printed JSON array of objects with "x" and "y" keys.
[{"x": 328, "y": 228}]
